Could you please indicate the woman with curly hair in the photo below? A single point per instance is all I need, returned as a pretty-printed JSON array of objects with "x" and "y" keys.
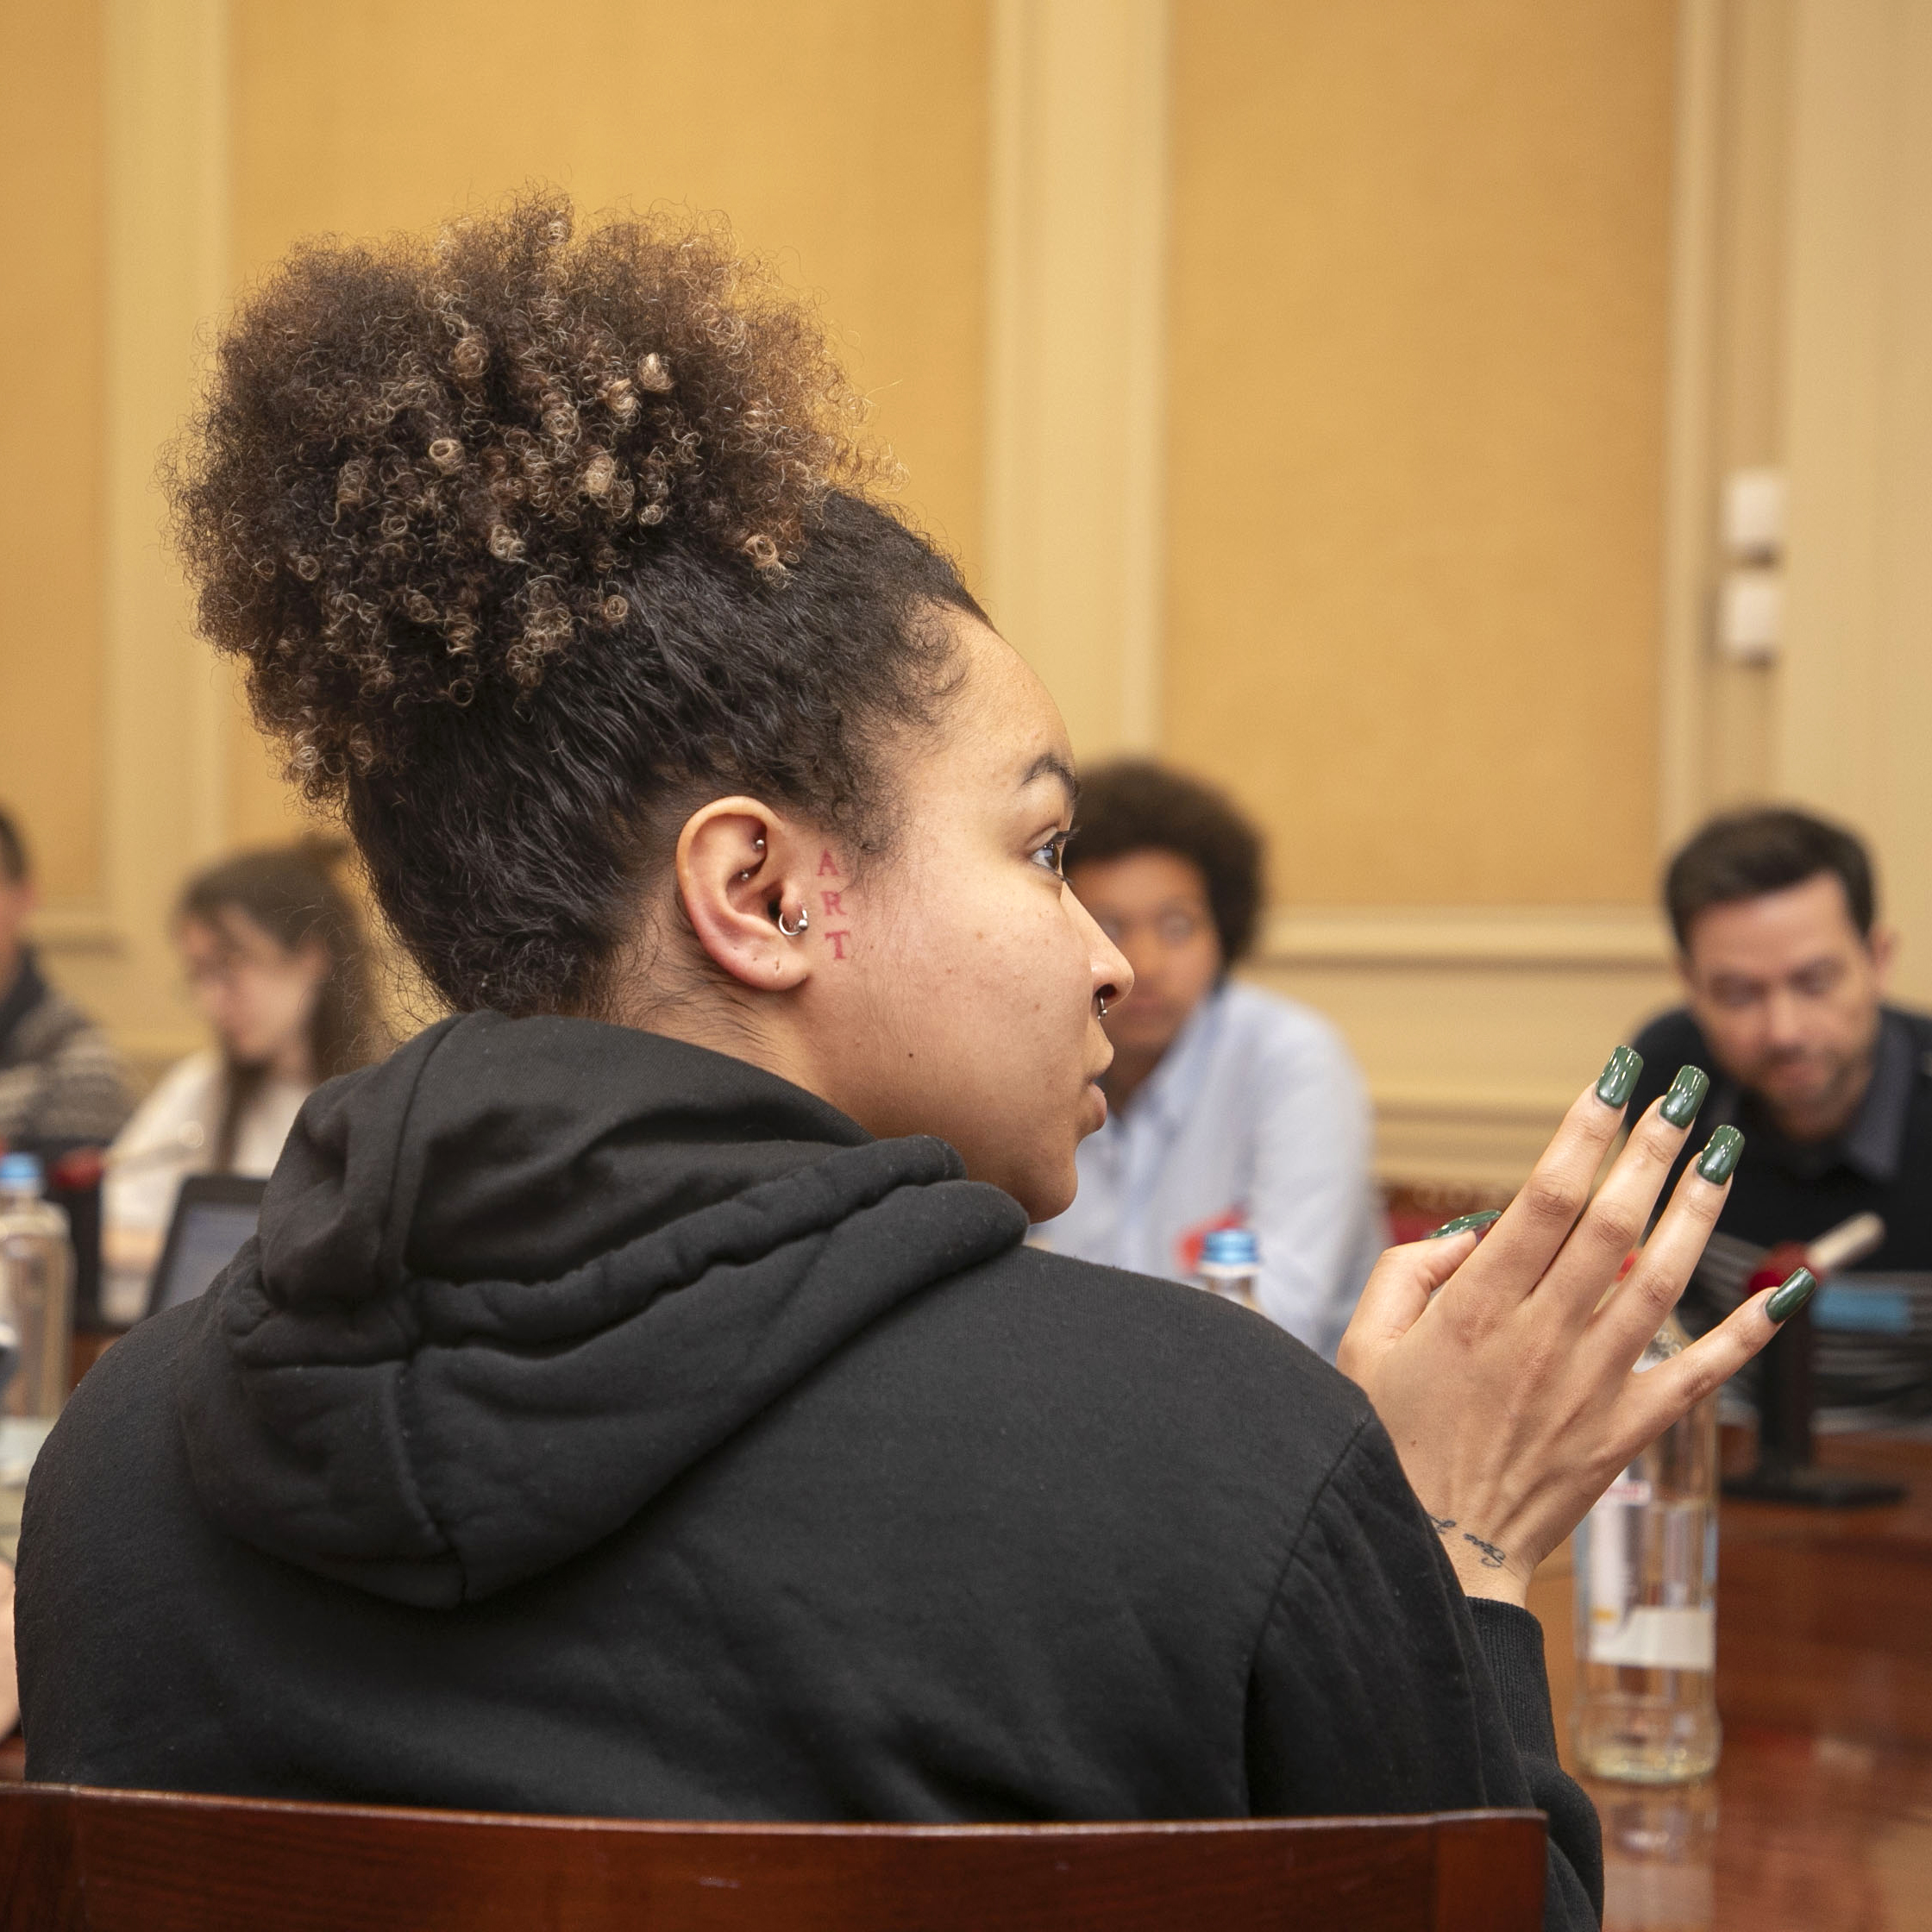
[
  {"x": 275, "y": 959},
  {"x": 639, "y": 1398}
]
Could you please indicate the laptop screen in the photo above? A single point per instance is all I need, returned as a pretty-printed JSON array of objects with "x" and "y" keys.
[{"x": 201, "y": 1243}]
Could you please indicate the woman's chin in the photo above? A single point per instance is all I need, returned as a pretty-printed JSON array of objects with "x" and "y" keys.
[{"x": 1046, "y": 1189}]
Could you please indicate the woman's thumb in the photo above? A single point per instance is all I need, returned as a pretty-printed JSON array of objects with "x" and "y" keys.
[{"x": 1404, "y": 1279}]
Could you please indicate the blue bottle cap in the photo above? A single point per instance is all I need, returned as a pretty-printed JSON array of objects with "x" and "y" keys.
[
  {"x": 20, "y": 1170},
  {"x": 1232, "y": 1247}
]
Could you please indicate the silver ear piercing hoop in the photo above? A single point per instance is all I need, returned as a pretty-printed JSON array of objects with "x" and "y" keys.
[{"x": 792, "y": 931}]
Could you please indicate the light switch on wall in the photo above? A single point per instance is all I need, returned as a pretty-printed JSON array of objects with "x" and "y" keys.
[
  {"x": 1751, "y": 612},
  {"x": 1754, "y": 515}
]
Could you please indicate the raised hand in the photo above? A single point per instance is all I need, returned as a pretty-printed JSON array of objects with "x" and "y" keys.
[{"x": 1501, "y": 1367}]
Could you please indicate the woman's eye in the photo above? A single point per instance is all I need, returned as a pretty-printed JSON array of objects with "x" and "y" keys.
[{"x": 1053, "y": 854}]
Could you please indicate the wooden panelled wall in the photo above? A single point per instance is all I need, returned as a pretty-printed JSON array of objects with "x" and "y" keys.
[{"x": 1331, "y": 397}]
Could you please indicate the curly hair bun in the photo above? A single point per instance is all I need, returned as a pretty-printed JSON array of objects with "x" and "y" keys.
[{"x": 425, "y": 469}]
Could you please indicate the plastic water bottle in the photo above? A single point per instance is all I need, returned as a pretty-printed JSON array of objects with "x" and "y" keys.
[
  {"x": 1647, "y": 1606},
  {"x": 1231, "y": 1262},
  {"x": 36, "y": 1313}
]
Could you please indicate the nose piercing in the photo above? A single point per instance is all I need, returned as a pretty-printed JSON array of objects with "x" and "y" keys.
[
  {"x": 792, "y": 931},
  {"x": 1101, "y": 998}
]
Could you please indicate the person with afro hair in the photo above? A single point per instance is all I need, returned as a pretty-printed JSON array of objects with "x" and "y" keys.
[{"x": 1227, "y": 1107}]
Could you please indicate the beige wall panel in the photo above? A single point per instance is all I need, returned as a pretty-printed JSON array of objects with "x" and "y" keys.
[
  {"x": 1075, "y": 469},
  {"x": 1855, "y": 712},
  {"x": 1475, "y": 1030},
  {"x": 1418, "y": 337},
  {"x": 261, "y": 808},
  {"x": 51, "y": 428},
  {"x": 849, "y": 136}
]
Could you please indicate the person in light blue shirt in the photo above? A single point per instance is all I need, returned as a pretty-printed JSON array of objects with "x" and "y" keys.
[{"x": 1227, "y": 1107}]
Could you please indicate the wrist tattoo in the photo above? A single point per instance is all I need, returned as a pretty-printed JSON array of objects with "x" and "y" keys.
[
  {"x": 1440, "y": 1522},
  {"x": 1493, "y": 1558}
]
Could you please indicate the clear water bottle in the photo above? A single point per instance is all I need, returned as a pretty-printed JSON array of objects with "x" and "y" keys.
[
  {"x": 1645, "y": 1567},
  {"x": 36, "y": 1313},
  {"x": 1231, "y": 1264}
]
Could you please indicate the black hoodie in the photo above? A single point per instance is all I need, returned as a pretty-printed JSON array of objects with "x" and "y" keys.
[{"x": 600, "y": 1425}]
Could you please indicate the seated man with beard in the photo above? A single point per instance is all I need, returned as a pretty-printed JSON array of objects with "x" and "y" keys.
[{"x": 1785, "y": 964}]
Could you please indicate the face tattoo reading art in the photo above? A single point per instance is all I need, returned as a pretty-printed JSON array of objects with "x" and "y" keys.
[{"x": 828, "y": 868}]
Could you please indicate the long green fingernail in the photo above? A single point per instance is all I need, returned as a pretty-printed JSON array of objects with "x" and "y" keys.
[
  {"x": 1463, "y": 1223},
  {"x": 1792, "y": 1294},
  {"x": 1719, "y": 1160},
  {"x": 1619, "y": 1078},
  {"x": 1686, "y": 1096}
]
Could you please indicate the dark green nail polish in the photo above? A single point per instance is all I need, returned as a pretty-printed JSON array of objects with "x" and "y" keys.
[
  {"x": 1463, "y": 1223},
  {"x": 1718, "y": 1161},
  {"x": 1619, "y": 1078},
  {"x": 1686, "y": 1096},
  {"x": 1792, "y": 1294}
]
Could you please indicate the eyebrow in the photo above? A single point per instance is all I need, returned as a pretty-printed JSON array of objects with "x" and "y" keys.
[{"x": 1050, "y": 764}]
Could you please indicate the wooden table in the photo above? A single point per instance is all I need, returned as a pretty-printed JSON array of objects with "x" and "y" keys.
[{"x": 1819, "y": 1818}]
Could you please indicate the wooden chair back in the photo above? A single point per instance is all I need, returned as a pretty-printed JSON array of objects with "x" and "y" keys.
[{"x": 73, "y": 1860}]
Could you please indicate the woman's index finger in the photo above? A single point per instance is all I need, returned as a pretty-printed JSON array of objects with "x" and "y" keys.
[{"x": 1535, "y": 1225}]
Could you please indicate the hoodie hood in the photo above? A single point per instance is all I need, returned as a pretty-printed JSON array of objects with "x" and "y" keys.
[{"x": 518, "y": 1278}]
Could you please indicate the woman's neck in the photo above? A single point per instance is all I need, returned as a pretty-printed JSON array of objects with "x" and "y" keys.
[{"x": 702, "y": 1013}]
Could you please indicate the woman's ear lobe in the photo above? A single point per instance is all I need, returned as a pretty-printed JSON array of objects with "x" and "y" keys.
[{"x": 732, "y": 870}]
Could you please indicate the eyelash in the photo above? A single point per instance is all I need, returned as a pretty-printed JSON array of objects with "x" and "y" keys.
[{"x": 1057, "y": 846}]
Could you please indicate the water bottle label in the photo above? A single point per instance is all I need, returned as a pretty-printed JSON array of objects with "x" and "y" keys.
[
  {"x": 1655, "y": 1638},
  {"x": 1679, "y": 1634}
]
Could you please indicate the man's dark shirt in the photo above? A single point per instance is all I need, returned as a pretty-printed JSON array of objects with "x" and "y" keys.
[
  {"x": 61, "y": 1085},
  {"x": 1787, "y": 1190}
]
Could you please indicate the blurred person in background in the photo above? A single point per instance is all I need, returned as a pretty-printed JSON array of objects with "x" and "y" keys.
[
  {"x": 61, "y": 1083},
  {"x": 1227, "y": 1107},
  {"x": 275, "y": 958},
  {"x": 1785, "y": 964},
  {"x": 61, "y": 1088}
]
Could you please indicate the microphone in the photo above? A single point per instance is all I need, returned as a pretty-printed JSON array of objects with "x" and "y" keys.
[{"x": 1785, "y": 1471}]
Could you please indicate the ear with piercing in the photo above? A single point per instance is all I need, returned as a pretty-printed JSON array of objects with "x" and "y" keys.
[{"x": 758, "y": 844}]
